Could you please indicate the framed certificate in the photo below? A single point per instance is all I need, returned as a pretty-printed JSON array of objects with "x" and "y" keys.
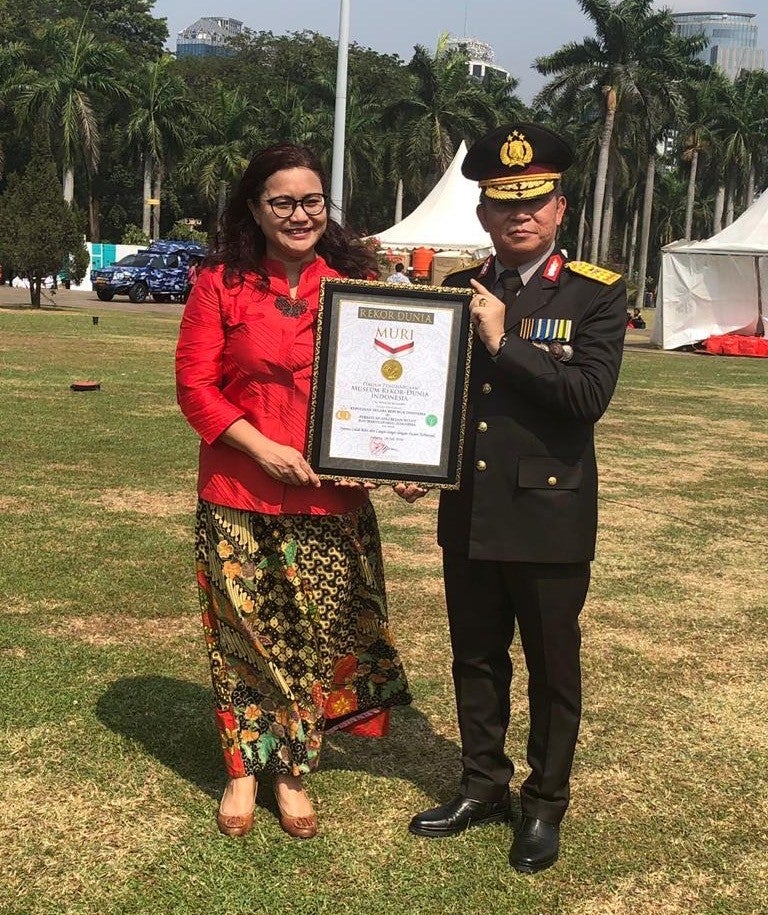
[{"x": 390, "y": 381}]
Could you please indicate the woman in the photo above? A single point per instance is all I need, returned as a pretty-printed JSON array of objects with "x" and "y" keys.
[{"x": 289, "y": 567}]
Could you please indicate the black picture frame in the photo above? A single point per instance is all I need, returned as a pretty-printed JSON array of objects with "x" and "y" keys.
[{"x": 356, "y": 388}]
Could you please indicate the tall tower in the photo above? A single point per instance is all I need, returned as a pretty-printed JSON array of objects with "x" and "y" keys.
[
  {"x": 208, "y": 37},
  {"x": 479, "y": 55},
  {"x": 732, "y": 39}
]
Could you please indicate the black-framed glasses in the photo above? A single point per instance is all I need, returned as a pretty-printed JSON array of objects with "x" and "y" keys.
[{"x": 312, "y": 204}]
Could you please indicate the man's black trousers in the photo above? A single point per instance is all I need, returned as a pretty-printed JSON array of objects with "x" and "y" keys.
[{"x": 484, "y": 599}]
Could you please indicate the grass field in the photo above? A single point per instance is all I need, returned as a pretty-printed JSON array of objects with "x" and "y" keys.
[{"x": 109, "y": 764}]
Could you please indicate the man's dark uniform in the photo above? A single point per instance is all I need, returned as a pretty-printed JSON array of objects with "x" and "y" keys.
[
  {"x": 519, "y": 534},
  {"x": 517, "y": 537}
]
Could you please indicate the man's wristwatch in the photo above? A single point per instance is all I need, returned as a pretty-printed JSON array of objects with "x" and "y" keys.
[{"x": 502, "y": 341}]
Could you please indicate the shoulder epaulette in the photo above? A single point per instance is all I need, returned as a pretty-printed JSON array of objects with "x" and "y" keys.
[{"x": 593, "y": 272}]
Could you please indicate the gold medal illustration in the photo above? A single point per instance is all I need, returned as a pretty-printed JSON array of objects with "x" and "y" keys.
[{"x": 391, "y": 370}]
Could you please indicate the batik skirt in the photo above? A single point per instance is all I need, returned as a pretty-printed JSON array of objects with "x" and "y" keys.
[{"x": 295, "y": 621}]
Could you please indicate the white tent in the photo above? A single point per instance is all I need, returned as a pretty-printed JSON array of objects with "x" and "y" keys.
[
  {"x": 717, "y": 286},
  {"x": 446, "y": 218}
]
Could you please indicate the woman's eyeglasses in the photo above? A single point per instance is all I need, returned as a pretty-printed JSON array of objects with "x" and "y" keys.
[{"x": 312, "y": 204}]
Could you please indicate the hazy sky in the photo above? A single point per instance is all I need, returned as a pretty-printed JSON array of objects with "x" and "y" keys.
[{"x": 518, "y": 32}]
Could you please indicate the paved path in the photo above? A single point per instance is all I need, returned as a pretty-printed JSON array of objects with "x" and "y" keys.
[{"x": 66, "y": 299}]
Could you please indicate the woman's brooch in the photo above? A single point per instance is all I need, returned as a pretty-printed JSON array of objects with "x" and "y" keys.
[{"x": 291, "y": 308}]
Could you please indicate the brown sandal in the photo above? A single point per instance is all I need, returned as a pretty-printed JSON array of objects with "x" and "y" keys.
[
  {"x": 235, "y": 826},
  {"x": 297, "y": 827}
]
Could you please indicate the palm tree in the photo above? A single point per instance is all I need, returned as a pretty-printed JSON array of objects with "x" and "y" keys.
[
  {"x": 443, "y": 107},
  {"x": 631, "y": 57},
  {"x": 741, "y": 127},
  {"x": 157, "y": 127},
  {"x": 77, "y": 71},
  {"x": 226, "y": 134},
  {"x": 696, "y": 131}
]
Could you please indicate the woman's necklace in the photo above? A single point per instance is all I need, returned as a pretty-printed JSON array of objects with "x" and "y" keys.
[
  {"x": 288, "y": 305},
  {"x": 291, "y": 307}
]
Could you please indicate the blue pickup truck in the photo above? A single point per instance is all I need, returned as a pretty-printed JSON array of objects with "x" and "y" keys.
[{"x": 161, "y": 270}]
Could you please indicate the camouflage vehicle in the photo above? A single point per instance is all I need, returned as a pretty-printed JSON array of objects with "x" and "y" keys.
[{"x": 161, "y": 270}]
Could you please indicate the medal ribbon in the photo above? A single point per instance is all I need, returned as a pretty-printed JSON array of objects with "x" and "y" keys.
[{"x": 393, "y": 350}]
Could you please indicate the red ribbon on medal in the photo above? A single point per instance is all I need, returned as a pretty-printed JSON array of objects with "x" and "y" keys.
[{"x": 393, "y": 350}]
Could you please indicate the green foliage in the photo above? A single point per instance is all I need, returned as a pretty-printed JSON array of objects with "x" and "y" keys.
[
  {"x": 133, "y": 235},
  {"x": 181, "y": 231},
  {"x": 39, "y": 232}
]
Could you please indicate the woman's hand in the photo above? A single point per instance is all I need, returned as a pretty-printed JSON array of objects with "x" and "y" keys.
[
  {"x": 286, "y": 464},
  {"x": 487, "y": 314},
  {"x": 410, "y": 491}
]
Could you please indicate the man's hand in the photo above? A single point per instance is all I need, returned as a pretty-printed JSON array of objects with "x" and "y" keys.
[
  {"x": 487, "y": 314},
  {"x": 410, "y": 491}
]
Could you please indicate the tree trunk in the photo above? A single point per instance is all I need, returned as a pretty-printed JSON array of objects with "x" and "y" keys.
[
  {"x": 646, "y": 229},
  {"x": 691, "y": 195},
  {"x": 93, "y": 217},
  {"x": 69, "y": 183},
  {"x": 146, "y": 210},
  {"x": 717, "y": 218},
  {"x": 602, "y": 169},
  {"x": 632, "y": 245},
  {"x": 35, "y": 282},
  {"x": 605, "y": 231},
  {"x": 624, "y": 242},
  {"x": 751, "y": 185},
  {"x": 399, "y": 202},
  {"x": 730, "y": 197},
  {"x": 158, "y": 190},
  {"x": 582, "y": 230},
  {"x": 222, "y": 200}
]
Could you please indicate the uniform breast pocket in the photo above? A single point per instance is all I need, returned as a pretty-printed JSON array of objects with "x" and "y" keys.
[{"x": 549, "y": 473}]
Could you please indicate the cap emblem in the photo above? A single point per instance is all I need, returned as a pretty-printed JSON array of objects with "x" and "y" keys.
[{"x": 516, "y": 150}]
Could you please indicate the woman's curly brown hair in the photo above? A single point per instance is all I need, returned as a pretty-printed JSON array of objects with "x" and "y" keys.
[{"x": 241, "y": 245}]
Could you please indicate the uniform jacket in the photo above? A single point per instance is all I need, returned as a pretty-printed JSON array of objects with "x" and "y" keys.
[{"x": 529, "y": 476}]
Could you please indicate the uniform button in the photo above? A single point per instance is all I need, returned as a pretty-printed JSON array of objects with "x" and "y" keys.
[
  {"x": 482, "y": 427},
  {"x": 552, "y": 481},
  {"x": 481, "y": 465},
  {"x": 486, "y": 388}
]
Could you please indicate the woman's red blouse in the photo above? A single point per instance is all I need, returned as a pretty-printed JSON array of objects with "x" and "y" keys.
[{"x": 238, "y": 356}]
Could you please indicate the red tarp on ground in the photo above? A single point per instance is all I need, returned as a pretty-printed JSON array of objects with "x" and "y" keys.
[{"x": 736, "y": 345}]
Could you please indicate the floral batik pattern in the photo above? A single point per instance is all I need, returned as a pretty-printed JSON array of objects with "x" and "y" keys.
[{"x": 295, "y": 621}]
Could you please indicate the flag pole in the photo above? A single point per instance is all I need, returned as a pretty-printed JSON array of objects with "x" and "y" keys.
[{"x": 340, "y": 116}]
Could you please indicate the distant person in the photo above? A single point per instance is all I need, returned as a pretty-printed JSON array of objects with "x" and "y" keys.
[
  {"x": 399, "y": 276},
  {"x": 637, "y": 320},
  {"x": 289, "y": 567}
]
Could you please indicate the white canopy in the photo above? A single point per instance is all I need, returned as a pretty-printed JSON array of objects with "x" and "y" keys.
[
  {"x": 716, "y": 286},
  {"x": 446, "y": 218}
]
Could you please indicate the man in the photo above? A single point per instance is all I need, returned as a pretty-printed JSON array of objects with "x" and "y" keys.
[
  {"x": 519, "y": 534},
  {"x": 399, "y": 276}
]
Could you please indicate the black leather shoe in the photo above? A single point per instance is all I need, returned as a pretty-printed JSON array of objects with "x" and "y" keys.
[
  {"x": 535, "y": 847},
  {"x": 459, "y": 814}
]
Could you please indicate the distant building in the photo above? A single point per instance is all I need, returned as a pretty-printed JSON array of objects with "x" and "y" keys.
[
  {"x": 479, "y": 55},
  {"x": 732, "y": 39},
  {"x": 209, "y": 36}
]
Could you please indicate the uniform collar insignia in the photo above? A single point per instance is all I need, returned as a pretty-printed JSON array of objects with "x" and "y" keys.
[{"x": 552, "y": 268}]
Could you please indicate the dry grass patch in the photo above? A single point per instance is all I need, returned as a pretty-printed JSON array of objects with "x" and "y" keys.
[
  {"x": 20, "y": 607},
  {"x": 103, "y": 631},
  {"x": 398, "y": 557},
  {"x": 61, "y": 838},
  {"x": 147, "y": 502},
  {"x": 659, "y": 892}
]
